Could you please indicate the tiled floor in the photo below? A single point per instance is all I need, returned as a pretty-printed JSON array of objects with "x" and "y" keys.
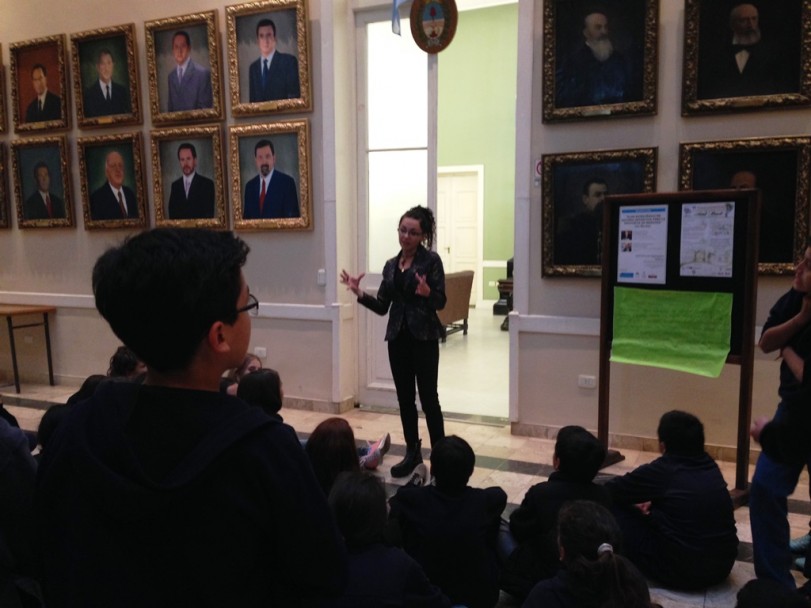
[{"x": 514, "y": 463}]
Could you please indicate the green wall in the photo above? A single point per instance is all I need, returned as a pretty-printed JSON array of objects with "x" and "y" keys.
[{"x": 477, "y": 88}]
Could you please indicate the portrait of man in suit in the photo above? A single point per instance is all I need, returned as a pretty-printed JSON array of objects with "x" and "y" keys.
[
  {"x": 192, "y": 195},
  {"x": 274, "y": 75},
  {"x": 597, "y": 71},
  {"x": 189, "y": 82},
  {"x": 46, "y": 105},
  {"x": 113, "y": 200},
  {"x": 271, "y": 193},
  {"x": 578, "y": 237},
  {"x": 43, "y": 204},
  {"x": 746, "y": 60},
  {"x": 105, "y": 97}
]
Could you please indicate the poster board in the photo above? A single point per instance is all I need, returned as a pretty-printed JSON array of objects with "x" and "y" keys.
[{"x": 652, "y": 243}]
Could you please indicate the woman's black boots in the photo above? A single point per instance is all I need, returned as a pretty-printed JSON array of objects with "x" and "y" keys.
[{"x": 413, "y": 457}]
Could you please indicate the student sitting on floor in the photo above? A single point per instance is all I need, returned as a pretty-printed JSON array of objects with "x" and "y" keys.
[
  {"x": 533, "y": 525},
  {"x": 169, "y": 493},
  {"x": 263, "y": 388},
  {"x": 451, "y": 529},
  {"x": 594, "y": 574},
  {"x": 676, "y": 513},
  {"x": 379, "y": 575}
]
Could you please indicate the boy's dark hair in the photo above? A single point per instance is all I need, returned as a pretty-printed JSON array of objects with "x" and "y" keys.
[
  {"x": 262, "y": 388},
  {"x": 162, "y": 289},
  {"x": 452, "y": 463},
  {"x": 122, "y": 363},
  {"x": 358, "y": 501},
  {"x": 682, "y": 433},
  {"x": 580, "y": 453},
  {"x": 764, "y": 592}
]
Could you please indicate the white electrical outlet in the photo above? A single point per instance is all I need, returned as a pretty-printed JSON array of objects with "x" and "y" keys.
[
  {"x": 584, "y": 381},
  {"x": 260, "y": 351}
]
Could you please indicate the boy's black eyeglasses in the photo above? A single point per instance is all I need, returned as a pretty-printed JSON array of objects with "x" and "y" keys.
[{"x": 252, "y": 307}]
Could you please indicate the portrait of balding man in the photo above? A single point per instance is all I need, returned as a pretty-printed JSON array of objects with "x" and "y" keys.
[{"x": 748, "y": 49}]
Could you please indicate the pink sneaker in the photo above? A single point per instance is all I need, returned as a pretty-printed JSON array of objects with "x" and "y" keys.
[
  {"x": 383, "y": 444},
  {"x": 371, "y": 459}
]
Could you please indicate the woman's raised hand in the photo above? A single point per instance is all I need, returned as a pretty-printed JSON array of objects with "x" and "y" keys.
[{"x": 352, "y": 283}]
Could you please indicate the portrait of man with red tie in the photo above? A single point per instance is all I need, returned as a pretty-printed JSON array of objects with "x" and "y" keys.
[
  {"x": 43, "y": 203},
  {"x": 113, "y": 200},
  {"x": 270, "y": 194}
]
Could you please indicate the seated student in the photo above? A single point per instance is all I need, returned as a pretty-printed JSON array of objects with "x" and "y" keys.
[
  {"x": 169, "y": 493},
  {"x": 18, "y": 587},
  {"x": 87, "y": 389},
  {"x": 263, "y": 388},
  {"x": 767, "y": 593},
  {"x": 379, "y": 575},
  {"x": 451, "y": 529},
  {"x": 577, "y": 459},
  {"x": 676, "y": 513},
  {"x": 50, "y": 421},
  {"x": 125, "y": 364},
  {"x": 331, "y": 448},
  {"x": 594, "y": 573},
  {"x": 228, "y": 384}
]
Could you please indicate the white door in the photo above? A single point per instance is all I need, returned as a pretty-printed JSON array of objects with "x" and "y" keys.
[
  {"x": 459, "y": 210},
  {"x": 396, "y": 113}
]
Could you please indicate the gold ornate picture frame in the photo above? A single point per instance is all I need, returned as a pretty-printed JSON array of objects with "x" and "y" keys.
[
  {"x": 185, "y": 74},
  {"x": 780, "y": 168},
  {"x": 42, "y": 190},
  {"x": 615, "y": 74},
  {"x": 105, "y": 77},
  {"x": 742, "y": 57},
  {"x": 193, "y": 155},
  {"x": 110, "y": 165},
  {"x": 285, "y": 202},
  {"x": 39, "y": 84},
  {"x": 3, "y": 111},
  {"x": 5, "y": 221},
  {"x": 256, "y": 29},
  {"x": 574, "y": 186}
]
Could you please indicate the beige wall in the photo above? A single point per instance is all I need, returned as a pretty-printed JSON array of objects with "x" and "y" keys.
[
  {"x": 556, "y": 336},
  {"x": 53, "y": 266}
]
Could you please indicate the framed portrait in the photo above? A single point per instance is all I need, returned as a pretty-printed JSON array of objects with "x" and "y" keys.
[
  {"x": 574, "y": 188},
  {"x": 112, "y": 174},
  {"x": 4, "y": 212},
  {"x": 39, "y": 84},
  {"x": 599, "y": 58},
  {"x": 780, "y": 168},
  {"x": 42, "y": 191},
  {"x": 3, "y": 113},
  {"x": 745, "y": 56},
  {"x": 270, "y": 176},
  {"x": 187, "y": 167},
  {"x": 185, "y": 77},
  {"x": 105, "y": 77},
  {"x": 269, "y": 57}
]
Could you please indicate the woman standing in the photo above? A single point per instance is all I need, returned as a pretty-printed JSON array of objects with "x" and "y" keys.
[{"x": 412, "y": 290}]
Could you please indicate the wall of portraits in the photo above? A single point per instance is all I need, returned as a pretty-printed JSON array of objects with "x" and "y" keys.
[{"x": 702, "y": 139}]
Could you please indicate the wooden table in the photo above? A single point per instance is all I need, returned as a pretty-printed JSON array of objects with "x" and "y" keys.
[{"x": 9, "y": 311}]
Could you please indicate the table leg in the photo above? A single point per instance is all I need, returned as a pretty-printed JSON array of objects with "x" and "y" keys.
[
  {"x": 13, "y": 354},
  {"x": 48, "y": 347}
]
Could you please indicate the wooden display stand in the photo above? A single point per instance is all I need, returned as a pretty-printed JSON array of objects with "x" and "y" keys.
[{"x": 742, "y": 285}]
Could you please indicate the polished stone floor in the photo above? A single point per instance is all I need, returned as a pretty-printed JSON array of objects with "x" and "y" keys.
[{"x": 514, "y": 463}]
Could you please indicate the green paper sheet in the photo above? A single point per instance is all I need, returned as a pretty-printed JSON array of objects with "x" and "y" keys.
[{"x": 688, "y": 331}]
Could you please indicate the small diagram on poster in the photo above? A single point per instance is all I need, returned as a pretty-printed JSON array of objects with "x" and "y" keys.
[
  {"x": 707, "y": 231},
  {"x": 642, "y": 255}
]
